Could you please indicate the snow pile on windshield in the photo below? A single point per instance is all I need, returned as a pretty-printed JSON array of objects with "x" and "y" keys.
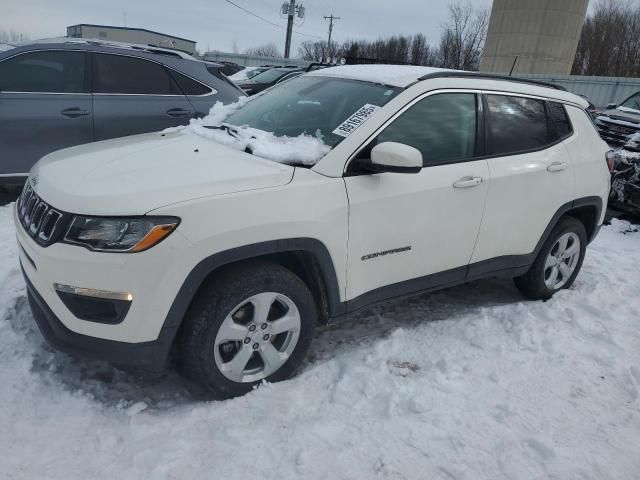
[{"x": 303, "y": 149}]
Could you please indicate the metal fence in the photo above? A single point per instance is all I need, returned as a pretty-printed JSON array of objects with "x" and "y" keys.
[
  {"x": 599, "y": 90},
  {"x": 251, "y": 60}
]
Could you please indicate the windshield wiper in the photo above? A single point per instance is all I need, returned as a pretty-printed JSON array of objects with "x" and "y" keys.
[{"x": 230, "y": 130}]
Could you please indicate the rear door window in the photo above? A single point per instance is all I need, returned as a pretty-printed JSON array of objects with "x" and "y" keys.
[
  {"x": 44, "y": 72},
  {"x": 119, "y": 74},
  {"x": 517, "y": 124}
]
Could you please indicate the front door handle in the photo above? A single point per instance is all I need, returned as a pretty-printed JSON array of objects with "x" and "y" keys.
[
  {"x": 179, "y": 112},
  {"x": 74, "y": 112},
  {"x": 468, "y": 182},
  {"x": 557, "y": 167}
]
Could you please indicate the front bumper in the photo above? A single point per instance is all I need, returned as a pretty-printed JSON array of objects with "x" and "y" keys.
[
  {"x": 142, "y": 336},
  {"x": 149, "y": 356}
]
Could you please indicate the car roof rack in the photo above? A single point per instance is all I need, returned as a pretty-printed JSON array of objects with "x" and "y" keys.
[
  {"x": 318, "y": 65},
  {"x": 490, "y": 76}
]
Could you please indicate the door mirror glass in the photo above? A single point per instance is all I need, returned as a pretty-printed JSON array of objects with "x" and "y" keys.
[
  {"x": 396, "y": 157},
  {"x": 611, "y": 106}
]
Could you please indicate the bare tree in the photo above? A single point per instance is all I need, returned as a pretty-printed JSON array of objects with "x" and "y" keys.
[
  {"x": 463, "y": 36},
  {"x": 267, "y": 50},
  {"x": 11, "y": 36},
  {"x": 610, "y": 41},
  {"x": 318, "y": 51}
]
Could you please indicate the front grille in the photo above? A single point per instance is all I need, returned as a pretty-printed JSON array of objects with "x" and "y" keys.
[
  {"x": 615, "y": 133},
  {"x": 41, "y": 222}
]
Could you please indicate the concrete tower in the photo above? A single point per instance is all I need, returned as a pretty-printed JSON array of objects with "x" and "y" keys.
[{"x": 541, "y": 36}]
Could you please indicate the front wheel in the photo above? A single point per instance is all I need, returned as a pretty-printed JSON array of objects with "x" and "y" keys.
[
  {"x": 558, "y": 262},
  {"x": 252, "y": 324}
]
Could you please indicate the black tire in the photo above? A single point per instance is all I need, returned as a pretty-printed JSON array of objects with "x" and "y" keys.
[
  {"x": 532, "y": 284},
  {"x": 218, "y": 299}
]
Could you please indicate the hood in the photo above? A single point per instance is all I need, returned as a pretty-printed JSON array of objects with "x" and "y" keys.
[
  {"x": 622, "y": 114},
  {"x": 133, "y": 175}
]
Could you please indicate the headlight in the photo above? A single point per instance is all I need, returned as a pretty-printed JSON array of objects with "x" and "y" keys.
[{"x": 104, "y": 234}]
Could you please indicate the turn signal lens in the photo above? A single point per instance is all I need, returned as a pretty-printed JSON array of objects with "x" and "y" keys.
[{"x": 156, "y": 235}]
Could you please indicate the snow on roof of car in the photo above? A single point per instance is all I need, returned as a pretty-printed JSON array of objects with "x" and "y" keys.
[
  {"x": 404, "y": 75},
  {"x": 393, "y": 75}
]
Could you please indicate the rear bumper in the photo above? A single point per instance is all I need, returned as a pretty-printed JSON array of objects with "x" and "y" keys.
[{"x": 148, "y": 356}]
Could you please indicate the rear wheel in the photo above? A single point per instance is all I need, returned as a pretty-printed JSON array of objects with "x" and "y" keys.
[
  {"x": 252, "y": 324},
  {"x": 558, "y": 262}
]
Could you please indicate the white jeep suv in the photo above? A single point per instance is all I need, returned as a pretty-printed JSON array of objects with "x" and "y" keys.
[{"x": 230, "y": 239}]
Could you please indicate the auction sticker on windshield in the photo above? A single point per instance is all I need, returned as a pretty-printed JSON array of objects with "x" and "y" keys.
[{"x": 347, "y": 127}]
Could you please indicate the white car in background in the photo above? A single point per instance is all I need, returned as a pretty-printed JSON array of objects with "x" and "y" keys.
[{"x": 232, "y": 238}]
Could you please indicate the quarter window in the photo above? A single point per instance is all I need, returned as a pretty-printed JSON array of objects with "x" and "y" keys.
[
  {"x": 128, "y": 75},
  {"x": 44, "y": 71},
  {"x": 189, "y": 86},
  {"x": 442, "y": 127},
  {"x": 559, "y": 120},
  {"x": 516, "y": 124}
]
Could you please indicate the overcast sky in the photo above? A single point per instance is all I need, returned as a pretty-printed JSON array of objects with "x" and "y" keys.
[{"x": 216, "y": 25}]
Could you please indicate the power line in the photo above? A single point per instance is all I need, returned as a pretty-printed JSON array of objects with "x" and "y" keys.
[{"x": 267, "y": 20}]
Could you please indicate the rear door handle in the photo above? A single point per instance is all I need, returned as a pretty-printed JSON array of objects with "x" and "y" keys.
[
  {"x": 74, "y": 112},
  {"x": 179, "y": 112},
  {"x": 468, "y": 182},
  {"x": 557, "y": 167}
]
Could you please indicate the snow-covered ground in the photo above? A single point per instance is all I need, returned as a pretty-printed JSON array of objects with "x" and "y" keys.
[{"x": 469, "y": 383}]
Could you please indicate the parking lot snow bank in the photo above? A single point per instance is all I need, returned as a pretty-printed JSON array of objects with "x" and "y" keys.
[
  {"x": 303, "y": 149},
  {"x": 470, "y": 383}
]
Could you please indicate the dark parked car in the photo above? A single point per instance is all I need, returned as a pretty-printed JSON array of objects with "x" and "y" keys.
[
  {"x": 229, "y": 68},
  {"x": 59, "y": 93},
  {"x": 269, "y": 78},
  {"x": 618, "y": 122}
]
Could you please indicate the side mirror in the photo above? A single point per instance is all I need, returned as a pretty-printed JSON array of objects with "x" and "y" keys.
[
  {"x": 611, "y": 106},
  {"x": 396, "y": 157}
]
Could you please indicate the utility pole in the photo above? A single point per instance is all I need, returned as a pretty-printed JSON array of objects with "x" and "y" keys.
[
  {"x": 291, "y": 11},
  {"x": 331, "y": 18}
]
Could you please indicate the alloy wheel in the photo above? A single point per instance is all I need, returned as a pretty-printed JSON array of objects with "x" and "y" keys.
[
  {"x": 562, "y": 261},
  {"x": 257, "y": 337}
]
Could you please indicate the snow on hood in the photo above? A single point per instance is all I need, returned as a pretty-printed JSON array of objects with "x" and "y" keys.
[
  {"x": 134, "y": 175},
  {"x": 305, "y": 149}
]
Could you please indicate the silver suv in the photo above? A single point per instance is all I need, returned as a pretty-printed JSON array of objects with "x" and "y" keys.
[{"x": 63, "y": 92}]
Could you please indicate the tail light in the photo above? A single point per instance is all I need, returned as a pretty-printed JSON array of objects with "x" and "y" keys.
[{"x": 611, "y": 160}]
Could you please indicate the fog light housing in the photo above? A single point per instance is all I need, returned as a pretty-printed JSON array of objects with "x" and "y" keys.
[{"x": 93, "y": 305}]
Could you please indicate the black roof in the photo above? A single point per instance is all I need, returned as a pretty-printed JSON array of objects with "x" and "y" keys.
[
  {"x": 131, "y": 28},
  {"x": 490, "y": 76}
]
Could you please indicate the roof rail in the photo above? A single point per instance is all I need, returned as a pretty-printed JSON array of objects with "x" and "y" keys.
[
  {"x": 490, "y": 76},
  {"x": 318, "y": 65}
]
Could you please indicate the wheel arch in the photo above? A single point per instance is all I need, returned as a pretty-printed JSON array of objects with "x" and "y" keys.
[
  {"x": 586, "y": 209},
  {"x": 306, "y": 257}
]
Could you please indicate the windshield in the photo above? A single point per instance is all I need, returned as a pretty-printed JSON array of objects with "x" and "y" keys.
[
  {"x": 310, "y": 105},
  {"x": 632, "y": 102},
  {"x": 255, "y": 73},
  {"x": 270, "y": 76}
]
